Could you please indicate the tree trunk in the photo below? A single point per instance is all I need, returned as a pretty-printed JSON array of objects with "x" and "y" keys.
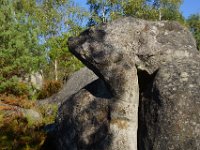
[
  {"x": 56, "y": 69},
  {"x": 103, "y": 12},
  {"x": 160, "y": 15}
]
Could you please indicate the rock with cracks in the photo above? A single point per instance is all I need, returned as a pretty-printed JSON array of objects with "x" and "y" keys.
[{"x": 154, "y": 64}]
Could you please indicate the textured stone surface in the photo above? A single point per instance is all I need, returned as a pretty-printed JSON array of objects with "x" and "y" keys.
[
  {"x": 161, "y": 57},
  {"x": 94, "y": 47},
  {"x": 75, "y": 82},
  {"x": 83, "y": 119},
  {"x": 170, "y": 115}
]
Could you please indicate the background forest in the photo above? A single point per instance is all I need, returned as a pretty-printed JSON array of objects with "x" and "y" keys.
[{"x": 34, "y": 35}]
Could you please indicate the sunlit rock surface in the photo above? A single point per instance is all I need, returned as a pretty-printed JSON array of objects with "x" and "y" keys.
[{"x": 151, "y": 65}]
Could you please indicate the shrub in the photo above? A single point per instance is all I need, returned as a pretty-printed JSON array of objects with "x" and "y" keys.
[
  {"x": 18, "y": 131},
  {"x": 21, "y": 101},
  {"x": 49, "y": 88},
  {"x": 21, "y": 89},
  {"x": 14, "y": 86},
  {"x": 17, "y": 134}
]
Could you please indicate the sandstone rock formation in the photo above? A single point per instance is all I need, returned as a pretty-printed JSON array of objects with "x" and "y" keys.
[
  {"x": 154, "y": 62},
  {"x": 75, "y": 82}
]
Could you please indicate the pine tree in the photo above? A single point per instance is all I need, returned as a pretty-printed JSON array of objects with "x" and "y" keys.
[
  {"x": 20, "y": 53},
  {"x": 194, "y": 24}
]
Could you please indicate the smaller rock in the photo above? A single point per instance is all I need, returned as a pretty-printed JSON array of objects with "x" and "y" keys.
[
  {"x": 31, "y": 115},
  {"x": 76, "y": 81}
]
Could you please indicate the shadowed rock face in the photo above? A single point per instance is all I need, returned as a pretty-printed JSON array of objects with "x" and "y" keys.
[{"x": 164, "y": 57}]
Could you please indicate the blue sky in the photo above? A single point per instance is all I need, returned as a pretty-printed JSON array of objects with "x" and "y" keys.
[{"x": 188, "y": 7}]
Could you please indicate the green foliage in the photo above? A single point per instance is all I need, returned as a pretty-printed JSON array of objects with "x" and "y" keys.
[
  {"x": 105, "y": 10},
  {"x": 154, "y": 9},
  {"x": 19, "y": 131},
  {"x": 57, "y": 17},
  {"x": 20, "y": 52},
  {"x": 66, "y": 62},
  {"x": 14, "y": 87},
  {"x": 49, "y": 112},
  {"x": 49, "y": 88},
  {"x": 194, "y": 24},
  {"x": 136, "y": 8},
  {"x": 16, "y": 134},
  {"x": 31, "y": 40}
]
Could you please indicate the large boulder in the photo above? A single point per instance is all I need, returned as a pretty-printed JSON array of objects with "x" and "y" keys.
[
  {"x": 75, "y": 82},
  {"x": 155, "y": 64}
]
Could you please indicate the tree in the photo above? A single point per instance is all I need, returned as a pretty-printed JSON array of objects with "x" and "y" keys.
[
  {"x": 20, "y": 53},
  {"x": 58, "y": 17},
  {"x": 136, "y": 8},
  {"x": 58, "y": 50},
  {"x": 104, "y": 10},
  {"x": 168, "y": 9},
  {"x": 194, "y": 25},
  {"x": 154, "y": 9}
]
